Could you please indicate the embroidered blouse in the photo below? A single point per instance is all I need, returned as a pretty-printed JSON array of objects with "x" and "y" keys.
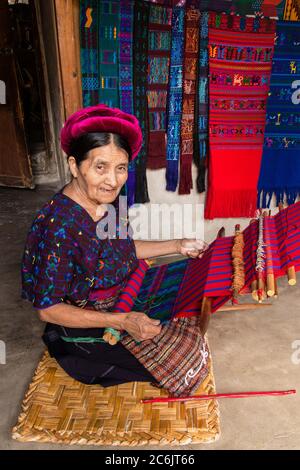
[{"x": 64, "y": 260}]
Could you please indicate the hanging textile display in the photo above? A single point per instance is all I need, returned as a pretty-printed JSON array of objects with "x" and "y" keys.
[
  {"x": 109, "y": 30},
  {"x": 240, "y": 55},
  {"x": 140, "y": 81},
  {"x": 126, "y": 78},
  {"x": 292, "y": 10},
  {"x": 201, "y": 106},
  {"x": 89, "y": 51},
  {"x": 192, "y": 22},
  {"x": 175, "y": 99},
  {"x": 99, "y": 52},
  {"x": 280, "y": 170},
  {"x": 159, "y": 47}
]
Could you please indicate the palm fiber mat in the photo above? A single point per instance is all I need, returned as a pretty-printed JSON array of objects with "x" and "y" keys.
[{"x": 58, "y": 409}]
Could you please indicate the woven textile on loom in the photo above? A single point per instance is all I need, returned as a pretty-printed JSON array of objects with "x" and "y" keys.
[
  {"x": 280, "y": 169},
  {"x": 240, "y": 55},
  {"x": 159, "y": 47}
]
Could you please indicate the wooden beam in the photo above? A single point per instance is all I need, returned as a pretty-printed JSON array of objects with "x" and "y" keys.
[
  {"x": 230, "y": 308},
  {"x": 67, "y": 17}
]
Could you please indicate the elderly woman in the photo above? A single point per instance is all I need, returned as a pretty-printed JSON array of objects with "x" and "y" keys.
[{"x": 73, "y": 277}]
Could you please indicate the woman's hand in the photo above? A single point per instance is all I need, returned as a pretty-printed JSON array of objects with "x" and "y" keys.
[
  {"x": 192, "y": 248},
  {"x": 140, "y": 326}
]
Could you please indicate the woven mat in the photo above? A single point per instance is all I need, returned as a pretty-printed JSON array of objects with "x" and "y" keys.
[{"x": 59, "y": 409}]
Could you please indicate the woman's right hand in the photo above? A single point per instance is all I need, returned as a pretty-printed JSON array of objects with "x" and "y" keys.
[{"x": 140, "y": 326}]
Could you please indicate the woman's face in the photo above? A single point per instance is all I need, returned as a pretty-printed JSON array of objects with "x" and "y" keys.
[{"x": 102, "y": 174}]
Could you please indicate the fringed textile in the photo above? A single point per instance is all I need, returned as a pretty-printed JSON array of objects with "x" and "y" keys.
[
  {"x": 175, "y": 99},
  {"x": 109, "y": 30},
  {"x": 240, "y": 55},
  {"x": 280, "y": 169},
  {"x": 201, "y": 106},
  {"x": 159, "y": 47},
  {"x": 126, "y": 78},
  {"x": 89, "y": 51},
  {"x": 192, "y": 21},
  {"x": 140, "y": 81}
]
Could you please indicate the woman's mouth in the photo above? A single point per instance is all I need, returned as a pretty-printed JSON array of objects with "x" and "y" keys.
[{"x": 107, "y": 191}]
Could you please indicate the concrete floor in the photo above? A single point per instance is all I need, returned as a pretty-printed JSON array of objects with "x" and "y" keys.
[{"x": 251, "y": 350}]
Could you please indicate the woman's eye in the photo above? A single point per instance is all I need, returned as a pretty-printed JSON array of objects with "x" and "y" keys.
[
  {"x": 123, "y": 168},
  {"x": 100, "y": 167}
]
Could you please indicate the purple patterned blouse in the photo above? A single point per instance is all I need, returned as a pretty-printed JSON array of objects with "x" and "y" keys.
[{"x": 64, "y": 260}]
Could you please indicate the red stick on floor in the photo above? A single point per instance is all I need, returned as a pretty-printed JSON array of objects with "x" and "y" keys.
[{"x": 218, "y": 395}]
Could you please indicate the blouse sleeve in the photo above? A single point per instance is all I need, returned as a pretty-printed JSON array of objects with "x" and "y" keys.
[{"x": 48, "y": 266}]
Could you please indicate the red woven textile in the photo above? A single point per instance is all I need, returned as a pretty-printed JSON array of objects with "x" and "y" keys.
[
  {"x": 159, "y": 46},
  {"x": 240, "y": 56},
  {"x": 192, "y": 22}
]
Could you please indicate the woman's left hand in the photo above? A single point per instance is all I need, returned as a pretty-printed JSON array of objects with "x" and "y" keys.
[{"x": 192, "y": 248}]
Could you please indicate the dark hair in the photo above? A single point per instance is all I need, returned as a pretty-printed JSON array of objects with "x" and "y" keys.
[{"x": 91, "y": 140}]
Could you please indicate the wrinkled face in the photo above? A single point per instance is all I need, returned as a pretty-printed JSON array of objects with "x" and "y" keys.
[{"x": 102, "y": 174}]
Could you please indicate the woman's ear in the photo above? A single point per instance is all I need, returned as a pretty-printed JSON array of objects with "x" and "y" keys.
[{"x": 73, "y": 166}]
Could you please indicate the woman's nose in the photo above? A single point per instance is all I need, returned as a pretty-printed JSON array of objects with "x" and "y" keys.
[{"x": 111, "y": 179}]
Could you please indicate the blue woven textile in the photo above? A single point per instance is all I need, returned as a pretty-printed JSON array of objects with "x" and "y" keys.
[
  {"x": 280, "y": 168},
  {"x": 175, "y": 99}
]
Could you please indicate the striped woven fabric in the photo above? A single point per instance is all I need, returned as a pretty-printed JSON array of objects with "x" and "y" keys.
[
  {"x": 176, "y": 290},
  {"x": 177, "y": 356},
  {"x": 240, "y": 57}
]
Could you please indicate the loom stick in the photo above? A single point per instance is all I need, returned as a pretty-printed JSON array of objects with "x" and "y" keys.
[
  {"x": 291, "y": 273},
  {"x": 246, "y": 306},
  {"x": 205, "y": 314},
  {"x": 269, "y": 262},
  {"x": 219, "y": 395},
  {"x": 276, "y": 289},
  {"x": 254, "y": 282},
  {"x": 260, "y": 260}
]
